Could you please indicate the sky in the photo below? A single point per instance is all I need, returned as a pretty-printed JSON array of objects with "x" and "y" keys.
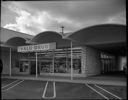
[{"x": 33, "y": 17}]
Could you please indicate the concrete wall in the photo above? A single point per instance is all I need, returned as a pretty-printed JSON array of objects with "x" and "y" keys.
[
  {"x": 91, "y": 64},
  {"x": 5, "y": 56},
  {"x": 14, "y": 69},
  {"x": 5, "y": 59},
  {"x": 121, "y": 62},
  {"x": 83, "y": 61}
]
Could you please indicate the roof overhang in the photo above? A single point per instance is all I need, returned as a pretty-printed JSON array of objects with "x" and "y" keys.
[
  {"x": 106, "y": 37},
  {"x": 49, "y": 37},
  {"x": 15, "y": 42}
]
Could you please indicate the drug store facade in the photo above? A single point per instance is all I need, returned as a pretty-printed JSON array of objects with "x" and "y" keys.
[{"x": 91, "y": 51}]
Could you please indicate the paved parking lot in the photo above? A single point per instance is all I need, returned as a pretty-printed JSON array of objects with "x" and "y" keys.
[{"x": 35, "y": 89}]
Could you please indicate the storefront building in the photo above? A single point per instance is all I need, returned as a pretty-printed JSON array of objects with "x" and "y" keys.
[{"x": 91, "y": 51}]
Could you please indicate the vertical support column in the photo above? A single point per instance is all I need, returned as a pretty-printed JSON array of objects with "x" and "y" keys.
[
  {"x": 10, "y": 61},
  {"x": 66, "y": 59},
  {"x": 103, "y": 68},
  {"x": 109, "y": 65},
  {"x": 29, "y": 63},
  {"x": 53, "y": 62},
  {"x": 36, "y": 65},
  {"x": 71, "y": 62},
  {"x": 83, "y": 61}
]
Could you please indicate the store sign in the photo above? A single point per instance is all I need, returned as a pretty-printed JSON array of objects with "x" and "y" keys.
[{"x": 35, "y": 48}]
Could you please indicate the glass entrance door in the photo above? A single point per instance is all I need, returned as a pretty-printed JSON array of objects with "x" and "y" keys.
[{"x": 24, "y": 67}]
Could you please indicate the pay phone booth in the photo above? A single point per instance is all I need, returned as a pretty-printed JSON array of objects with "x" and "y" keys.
[{"x": 37, "y": 61}]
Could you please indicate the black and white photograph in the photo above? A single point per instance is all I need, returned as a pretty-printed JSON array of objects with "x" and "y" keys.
[{"x": 63, "y": 49}]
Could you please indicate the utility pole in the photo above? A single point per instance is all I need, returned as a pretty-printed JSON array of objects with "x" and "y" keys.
[
  {"x": 36, "y": 64},
  {"x": 62, "y": 30},
  {"x": 10, "y": 61}
]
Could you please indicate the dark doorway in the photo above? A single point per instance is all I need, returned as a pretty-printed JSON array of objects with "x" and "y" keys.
[{"x": 33, "y": 68}]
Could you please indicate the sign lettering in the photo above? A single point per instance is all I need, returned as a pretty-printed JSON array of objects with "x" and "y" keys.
[{"x": 34, "y": 48}]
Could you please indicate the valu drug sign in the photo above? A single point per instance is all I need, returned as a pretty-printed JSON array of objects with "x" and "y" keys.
[{"x": 35, "y": 48}]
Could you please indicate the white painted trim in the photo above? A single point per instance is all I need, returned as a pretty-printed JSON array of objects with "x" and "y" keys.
[
  {"x": 97, "y": 91},
  {"x": 108, "y": 92},
  {"x": 63, "y": 74}
]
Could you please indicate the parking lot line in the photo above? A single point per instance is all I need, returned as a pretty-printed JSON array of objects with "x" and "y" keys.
[
  {"x": 12, "y": 86},
  {"x": 54, "y": 91},
  {"x": 9, "y": 84},
  {"x": 54, "y": 86},
  {"x": 97, "y": 91},
  {"x": 109, "y": 92},
  {"x": 43, "y": 96}
]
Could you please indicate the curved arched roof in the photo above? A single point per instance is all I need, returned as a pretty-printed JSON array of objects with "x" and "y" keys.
[
  {"x": 16, "y": 41},
  {"x": 99, "y": 34},
  {"x": 49, "y": 37},
  {"x": 107, "y": 37},
  {"x": 7, "y": 34}
]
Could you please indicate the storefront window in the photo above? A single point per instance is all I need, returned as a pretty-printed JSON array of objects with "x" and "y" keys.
[
  {"x": 76, "y": 66},
  {"x": 62, "y": 65},
  {"x": 24, "y": 66},
  {"x": 59, "y": 60},
  {"x": 108, "y": 62},
  {"x": 46, "y": 67}
]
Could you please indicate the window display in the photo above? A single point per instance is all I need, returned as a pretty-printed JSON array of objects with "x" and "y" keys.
[{"x": 60, "y": 62}]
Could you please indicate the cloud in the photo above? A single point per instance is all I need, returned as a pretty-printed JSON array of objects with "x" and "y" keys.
[
  {"x": 35, "y": 17},
  {"x": 38, "y": 22},
  {"x": 118, "y": 18},
  {"x": 80, "y": 10}
]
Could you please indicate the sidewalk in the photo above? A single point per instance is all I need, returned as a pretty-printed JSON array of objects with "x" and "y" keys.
[{"x": 102, "y": 80}]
